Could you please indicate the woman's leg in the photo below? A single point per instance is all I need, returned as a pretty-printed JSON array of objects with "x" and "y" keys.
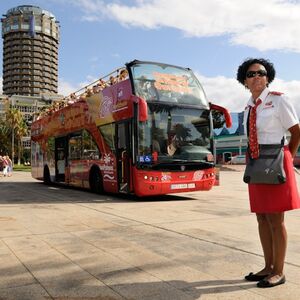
[
  {"x": 279, "y": 236},
  {"x": 265, "y": 235}
]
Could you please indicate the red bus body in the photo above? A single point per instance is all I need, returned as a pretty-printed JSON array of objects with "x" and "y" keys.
[{"x": 96, "y": 143}]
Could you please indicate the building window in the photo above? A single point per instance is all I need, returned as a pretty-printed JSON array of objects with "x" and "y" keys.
[{"x": 24, "y": 26}]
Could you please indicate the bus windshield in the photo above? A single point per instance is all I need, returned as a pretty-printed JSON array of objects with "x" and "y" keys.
[
  {"x": 156, "y": 82},
  {"x": 174, "y": 134}
]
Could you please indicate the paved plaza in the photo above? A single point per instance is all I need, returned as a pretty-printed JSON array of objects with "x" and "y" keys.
[{"x": 64, "y": 243}]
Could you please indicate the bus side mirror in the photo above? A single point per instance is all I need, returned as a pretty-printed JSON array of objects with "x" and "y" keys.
[
  {"x": 142, "y": 109},
  {"x": 219, "y": 114}
]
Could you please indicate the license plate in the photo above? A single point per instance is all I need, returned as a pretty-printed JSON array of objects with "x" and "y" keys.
[{"x": 182, "y": 186}]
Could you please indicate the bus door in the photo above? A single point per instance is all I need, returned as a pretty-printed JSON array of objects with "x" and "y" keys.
[
  {"x": 60, "y": 158},
  {"x": 123, "y": 155}
]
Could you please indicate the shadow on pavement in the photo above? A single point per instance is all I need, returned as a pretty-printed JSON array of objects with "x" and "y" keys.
[{"x": 37, "y": 192}]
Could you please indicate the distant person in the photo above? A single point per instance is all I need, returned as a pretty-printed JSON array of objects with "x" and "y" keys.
[
  {"x": 123, "y": 75},
  {"x": 172, "y": 146},
  {"x": 5, "y": 164},
  {"x": 9, "y": 166},
  {"x": 275, "y": 115},
  {"x": 1, "y": 164}
]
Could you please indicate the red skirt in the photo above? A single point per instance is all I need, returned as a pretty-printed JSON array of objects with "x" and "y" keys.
[{"x": 272, "y": 198}]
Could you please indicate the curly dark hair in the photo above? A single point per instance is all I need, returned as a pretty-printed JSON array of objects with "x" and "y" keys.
[{"x": 243, "y": 68}]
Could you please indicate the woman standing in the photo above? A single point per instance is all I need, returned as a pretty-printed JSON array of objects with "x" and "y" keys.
[{"x": 275, "y": 115}]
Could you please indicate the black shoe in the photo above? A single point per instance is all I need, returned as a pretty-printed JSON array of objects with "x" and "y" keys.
[
  {"x": 266, "y": 284},
  {"x": 254, "y": 277}
]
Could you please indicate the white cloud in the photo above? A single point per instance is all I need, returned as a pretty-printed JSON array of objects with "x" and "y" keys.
[
  {"x": 229, "y": 93},
  {"x": 224, "y": 91},
  {"x": 1, "y": 84},
  {"x": 65, "y": 88},
  {"x": 264, "y": 25}
]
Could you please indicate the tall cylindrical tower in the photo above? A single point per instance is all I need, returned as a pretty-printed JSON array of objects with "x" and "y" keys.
[{"x": 30, "y": 51}]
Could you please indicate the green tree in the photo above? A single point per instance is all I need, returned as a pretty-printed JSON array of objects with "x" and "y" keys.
[
  {"x": 13, "y": 119},
  {"x": 4, "y": 138},
  {"x": 21, "y": 130}
]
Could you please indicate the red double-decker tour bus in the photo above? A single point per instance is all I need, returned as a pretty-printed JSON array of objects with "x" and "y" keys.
[{"x": 146, "y": 129}]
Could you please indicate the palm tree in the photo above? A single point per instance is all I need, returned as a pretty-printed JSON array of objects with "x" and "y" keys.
[
  {"x": 13, "y": 118},
  {"x": 4, "y": 138},
  {"x": 21, "y": 131}
]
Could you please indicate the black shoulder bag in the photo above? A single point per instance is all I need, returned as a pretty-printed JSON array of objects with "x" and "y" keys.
[{"x": 268, "y": 167}]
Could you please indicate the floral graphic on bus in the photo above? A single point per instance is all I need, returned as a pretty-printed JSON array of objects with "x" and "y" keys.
[
  {"x": 107, "y": 159},
  {"x": 108, "y": 168},
  {"x": 106, "y": 106}
]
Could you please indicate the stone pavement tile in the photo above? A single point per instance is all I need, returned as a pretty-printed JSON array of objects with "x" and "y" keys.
[
  {"x": 223, "y": 265},
  {"x": 45, "y": 263},
  {"x": 150, "y": 290},
  {"x": 54, "y": 268},
  {"x": 65, "y": 239},
  {"x": 26, "y": 244},
  {"x": 108, "y": 214},
  {"x": 94, "y": 236},
  {"x": 25, "y": 215},
  {"x": 87, "y": 217},
  {"x": 10, "y": 226},
  {"x": 232, "y": 270},
  {"x": 47, "y": 214},
  {"x": 126, "y": 276},
  {"x": 287, "y": 291},
  {"x": 134, "y": 283},
  {"x": 40, "y": 226},
  {"x": 81, "y": 289},
  {"x": 86, "y": 256},
  {"x": 68, "y": 224},
  {"x": 176, "y": 274},
  {"x": 132, "y": 253},
  {"x": 26, "y": 292},
  {"x": 292, "y": 274},
  {"x": 12, "y": 271},
  {"x": 99, "y": 265},
  {"x": 229, "y": 233},
  {"x": 224, "y": 290}
]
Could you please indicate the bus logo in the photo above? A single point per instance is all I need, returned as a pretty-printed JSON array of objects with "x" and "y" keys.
[
  {"x": 166, "y": 177},
  {"x": 198, "y": 175},
  {"x": 106, "y": 106},
  {"x": 107, "y": 159}
]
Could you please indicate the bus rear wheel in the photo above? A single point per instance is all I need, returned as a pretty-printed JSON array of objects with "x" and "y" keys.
[
  {"x": 96, "y": 183},
  {"x": 46, "y": 176}
]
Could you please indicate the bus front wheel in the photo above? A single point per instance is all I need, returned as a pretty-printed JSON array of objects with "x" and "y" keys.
[{"x": 96, "y": 183}]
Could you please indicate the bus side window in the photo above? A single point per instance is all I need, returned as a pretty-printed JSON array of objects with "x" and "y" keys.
[
  {"x": 108, "y": 133},
  {"x": 75, "y": 147},
  {"x": 90, "y": 149}
]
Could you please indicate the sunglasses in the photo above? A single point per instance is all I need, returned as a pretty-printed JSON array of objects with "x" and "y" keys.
[{"x": 260, "y": 73}]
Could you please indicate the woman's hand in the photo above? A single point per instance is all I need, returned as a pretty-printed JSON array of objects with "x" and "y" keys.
[{"x": 295, "y": 139}]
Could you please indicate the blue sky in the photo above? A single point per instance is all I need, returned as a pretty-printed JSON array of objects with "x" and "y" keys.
[{"x": 211, "y": 37}]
